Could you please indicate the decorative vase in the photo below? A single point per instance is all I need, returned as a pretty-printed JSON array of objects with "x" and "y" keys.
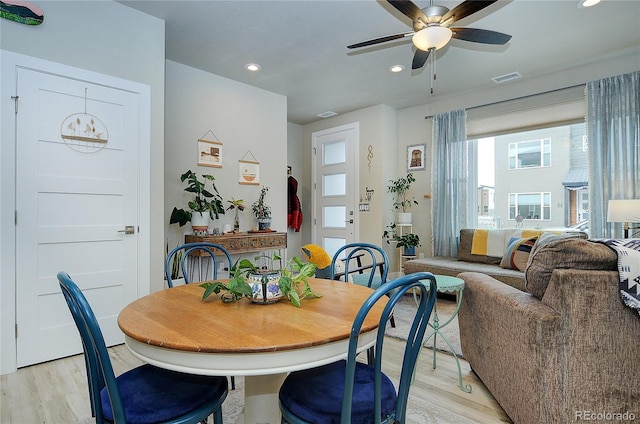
[
  {"x": 200, "y": 223},
  {"x": 236, "y": 223},
  {"x": 404, "y": 218},
  {"x": 264, "y": 287},
  {"x": 264, "y": 224}
]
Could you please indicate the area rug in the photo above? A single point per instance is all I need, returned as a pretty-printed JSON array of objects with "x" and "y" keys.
[
  {"x": 419, "y": 411},
  {"x": 404, "y": 312}
]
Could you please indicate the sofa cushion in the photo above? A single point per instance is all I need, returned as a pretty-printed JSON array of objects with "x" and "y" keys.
[
  {"x": 517, "y": 254},
  {"x": 564, "y": 253}
]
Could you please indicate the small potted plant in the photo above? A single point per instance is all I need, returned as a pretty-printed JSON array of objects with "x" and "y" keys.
[
  {"x": 238, "y": 206},
  {"x": 207, "y": 203},
  {"x": 407, "y": 241},
  {"x": 401, "y": 201},
  {"x": 265, "y": 286},
  {"x": 262, "y": 211}
]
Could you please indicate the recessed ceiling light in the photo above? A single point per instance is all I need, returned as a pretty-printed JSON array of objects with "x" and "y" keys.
[
  {"x": 253, "y": 67},
  {"x": 396, "y": 68},
  {"x": 587, "y": 3}
]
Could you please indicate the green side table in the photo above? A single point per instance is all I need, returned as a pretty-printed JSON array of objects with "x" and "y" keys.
[{"x": 449, "y": 285}]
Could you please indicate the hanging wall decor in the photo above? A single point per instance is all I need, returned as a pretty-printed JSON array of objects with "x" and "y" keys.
[
  {"x": 84, "y": 132},
  {"x": 416, "y": 157},
  {"x": 21, "y": 11},
  {"x": 209, "y": 151},
  {"x": 249, "y": 170}
]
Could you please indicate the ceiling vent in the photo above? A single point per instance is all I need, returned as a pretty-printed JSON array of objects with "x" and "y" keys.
[
  {"x": 507, "y": 77},
  {"x": 327, "y": 114}
]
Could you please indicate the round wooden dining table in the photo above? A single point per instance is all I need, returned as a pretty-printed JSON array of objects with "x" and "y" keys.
[{"x": 175, "y": 329}]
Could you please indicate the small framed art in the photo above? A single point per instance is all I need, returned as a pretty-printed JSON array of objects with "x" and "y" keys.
[
  {"x": 416, "y": 157},
  {"x": 209, "y": 153},
  {"x": 248, "y": 172}
]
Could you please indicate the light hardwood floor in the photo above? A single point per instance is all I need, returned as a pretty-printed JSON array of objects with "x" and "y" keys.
[{"x": 56, "y": 392}]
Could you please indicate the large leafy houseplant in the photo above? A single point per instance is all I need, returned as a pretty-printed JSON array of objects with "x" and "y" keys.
[
  {"x": 293, "y": 281},
  {"x": 206, "y": 199},
  {"x": 399, "y": 188}
]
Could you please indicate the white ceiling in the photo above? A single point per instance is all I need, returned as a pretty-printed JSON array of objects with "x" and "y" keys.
[{"x": 301, "y": 46}]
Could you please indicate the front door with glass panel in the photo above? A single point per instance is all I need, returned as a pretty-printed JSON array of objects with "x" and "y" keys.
[{"x": 334, "y": 184}]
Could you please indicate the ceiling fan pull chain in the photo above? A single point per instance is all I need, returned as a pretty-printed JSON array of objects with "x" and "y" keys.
[{"x": 433, "y": 67}]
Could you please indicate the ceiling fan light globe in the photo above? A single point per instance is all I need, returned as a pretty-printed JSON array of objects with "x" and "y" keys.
[{"x": 430, "y": 37}]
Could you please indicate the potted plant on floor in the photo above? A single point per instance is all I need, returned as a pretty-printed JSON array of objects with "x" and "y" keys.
[
  {"x": 401, "y": 201},
  {"x": 262, "y": 211},
  {"x": 207, "y": 203}
]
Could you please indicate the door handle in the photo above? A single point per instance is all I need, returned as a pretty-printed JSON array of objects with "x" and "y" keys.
[
  {"x": 128, "y": 229},
  {"x": 350, "y": 221}
]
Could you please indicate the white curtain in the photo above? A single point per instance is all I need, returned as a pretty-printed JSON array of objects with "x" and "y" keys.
[
  {"x": 613, "y": 129},
  {"x": 450, "y": 181}
]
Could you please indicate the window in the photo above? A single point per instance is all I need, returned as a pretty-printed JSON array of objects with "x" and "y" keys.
[
  {"x": 530, "y": 154},
  {"x": 516, "y": 177},
  {"x": 530, "y": 205}
]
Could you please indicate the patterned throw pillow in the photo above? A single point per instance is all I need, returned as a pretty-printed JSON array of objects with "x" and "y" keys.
[{"x": 517, "y": 253}]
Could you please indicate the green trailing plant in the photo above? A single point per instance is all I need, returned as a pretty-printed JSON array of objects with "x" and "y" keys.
[
  {"x": 293, "y": 282},
  {"x": 206, "y": 199},
  {"x": 399, "y": 189},
  {"x": 259, "y": 207}
]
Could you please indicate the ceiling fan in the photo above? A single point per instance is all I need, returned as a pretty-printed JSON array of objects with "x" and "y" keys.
[{"x": 431, "y": 28}]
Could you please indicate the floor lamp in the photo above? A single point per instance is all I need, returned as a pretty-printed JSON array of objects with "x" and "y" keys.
[{"x": 626, "y": 211}]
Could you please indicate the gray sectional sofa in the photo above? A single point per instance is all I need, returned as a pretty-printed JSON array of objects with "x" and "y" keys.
[{"x": 555, "y": 343}]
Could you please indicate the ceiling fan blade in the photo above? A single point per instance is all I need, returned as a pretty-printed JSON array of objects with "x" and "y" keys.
[
  {"x": 419, "y": 59},
  {"x": 409, "y": 9},
  {"x": 464, "y": 9},
  {"x": 480, "y": 36},
  {"x": 380, "y": 40}
]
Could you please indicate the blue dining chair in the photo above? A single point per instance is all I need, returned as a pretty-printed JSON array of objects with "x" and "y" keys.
[
  {"x": 350, "y": 391},
  {"x": 197, "y": 261},
  {"x": 372, "y": 272},
  {"x": 145, "y": 394}
]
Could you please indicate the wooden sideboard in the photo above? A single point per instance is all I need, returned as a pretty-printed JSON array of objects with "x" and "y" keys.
[{"x": 244, "y": 242}]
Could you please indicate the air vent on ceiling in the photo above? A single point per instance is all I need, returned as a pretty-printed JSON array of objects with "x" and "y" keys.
[
  {"x": 327, "y": 114},
  {"x": 506, "y": 77}
]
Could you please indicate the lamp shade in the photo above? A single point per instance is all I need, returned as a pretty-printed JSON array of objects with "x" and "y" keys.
[
  {"x": 432, "y": 37},
  {"x": 627, "y": 210}
]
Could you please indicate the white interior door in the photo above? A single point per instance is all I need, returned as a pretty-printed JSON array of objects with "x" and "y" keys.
[
  {"x": 335, "y": 187},
  {"x": 73, "y": 200}
]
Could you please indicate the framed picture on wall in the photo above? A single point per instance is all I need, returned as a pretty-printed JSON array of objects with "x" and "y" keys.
[
  {"x": 209, "y": 153},
  {"x": 416, "y": 157},
  {"x": 248, "y": 172}
]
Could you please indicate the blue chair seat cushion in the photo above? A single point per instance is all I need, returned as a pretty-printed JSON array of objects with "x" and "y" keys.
[
  {"x": 315, "y": 395},
  {"x": 151, "y": 394}
]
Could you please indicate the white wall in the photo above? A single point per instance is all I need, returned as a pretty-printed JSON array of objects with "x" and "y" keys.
[
  {"x": 245, "y": 119},
  {"x": 73, "y": 35}
]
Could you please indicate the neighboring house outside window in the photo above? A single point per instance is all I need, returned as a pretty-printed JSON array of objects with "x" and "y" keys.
[
  {"x": 530, "y": 154},
  {"x": 530, "y": 205}
]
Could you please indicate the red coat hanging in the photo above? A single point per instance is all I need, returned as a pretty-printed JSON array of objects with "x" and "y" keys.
[{"x": 294, "y": 217}]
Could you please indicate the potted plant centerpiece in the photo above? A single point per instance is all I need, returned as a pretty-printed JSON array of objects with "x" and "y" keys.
[
  {"x": 408, "y": 242},
  {"x": 207, "y": 203},
  {"x": 238, "y": 206},
  {"x": 265, "y": 285},
  {"x": 401, "y": 201},
  {"x": 262, "y": 211}
]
